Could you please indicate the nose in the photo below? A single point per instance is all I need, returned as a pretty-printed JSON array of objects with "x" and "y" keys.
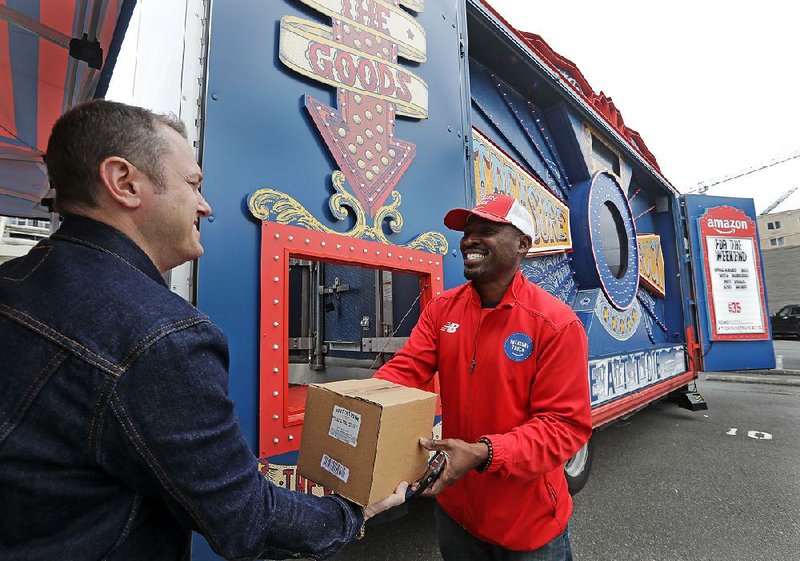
[
  {"x": 468, "y": 239},
  {"x": 203, "y": 208}
]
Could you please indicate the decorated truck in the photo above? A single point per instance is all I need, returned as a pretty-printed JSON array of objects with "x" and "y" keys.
[{"x": 335, "y": 134}]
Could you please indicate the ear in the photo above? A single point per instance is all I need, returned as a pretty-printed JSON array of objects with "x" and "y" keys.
[
  {"x": 121, "y": 181},
  {"x": 525, "y": 243}
]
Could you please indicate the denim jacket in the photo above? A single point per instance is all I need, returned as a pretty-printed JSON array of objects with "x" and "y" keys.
[{"x": 117, "y": 435}]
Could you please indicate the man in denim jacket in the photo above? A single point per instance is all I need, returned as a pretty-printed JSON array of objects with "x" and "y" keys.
[{"x": 117, "y": 436}]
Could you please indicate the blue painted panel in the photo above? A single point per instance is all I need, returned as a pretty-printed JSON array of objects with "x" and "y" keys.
[
  {"x": 532, "y": 138},
  {"x": 650, "y": 220},
  {"x": 723, "y": 355},
  {"x": 517, "y": 126},
  {"x": 489, "y": 114},
  {"x": 566, "y": 139},
  {"x": 554, "y": 273},
  {"x": 567, "y": 129},
  {"x": 258, "y": 134},
  {"x": 674, "y": 271}
]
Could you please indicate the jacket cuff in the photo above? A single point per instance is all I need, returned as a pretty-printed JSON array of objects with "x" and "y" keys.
[{"x": 354, "y": 514}]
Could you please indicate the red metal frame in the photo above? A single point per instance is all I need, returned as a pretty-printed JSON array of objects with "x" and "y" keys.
[
  {"x": 280, "y": 414},
  {"x": 693, "y": 351}
]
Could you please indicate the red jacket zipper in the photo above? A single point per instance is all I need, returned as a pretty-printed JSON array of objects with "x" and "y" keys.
[{"x": 468, "y": 426}]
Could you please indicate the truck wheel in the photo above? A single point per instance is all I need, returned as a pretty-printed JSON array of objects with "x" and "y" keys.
[{"x": 578, "y": 467}]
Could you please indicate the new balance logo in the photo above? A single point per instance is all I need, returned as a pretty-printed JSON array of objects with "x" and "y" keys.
[{"x": 450, "y": 327}]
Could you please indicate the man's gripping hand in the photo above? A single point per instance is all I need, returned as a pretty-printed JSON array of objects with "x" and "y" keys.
[{"x": 461, "y": 457}]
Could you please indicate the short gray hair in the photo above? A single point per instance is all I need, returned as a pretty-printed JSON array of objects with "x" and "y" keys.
[{"x": 89, "y": 133}]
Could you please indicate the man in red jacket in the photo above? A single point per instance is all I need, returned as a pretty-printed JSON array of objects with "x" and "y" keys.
[{"x": 512, "y": 363}]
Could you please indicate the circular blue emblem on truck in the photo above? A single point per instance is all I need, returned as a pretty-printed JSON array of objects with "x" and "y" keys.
[{"x": 518, "y": 347}]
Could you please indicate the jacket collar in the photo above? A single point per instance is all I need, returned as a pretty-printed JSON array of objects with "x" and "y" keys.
[
  {"x": 508, "y": 299},
  {"x": 102, "y": 237}
]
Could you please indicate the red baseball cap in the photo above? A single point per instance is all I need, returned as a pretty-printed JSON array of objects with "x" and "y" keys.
[{"x": 495, "y": 208}]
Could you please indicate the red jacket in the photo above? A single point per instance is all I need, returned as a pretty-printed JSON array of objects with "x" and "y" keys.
[{"x": 519, "y": 376}]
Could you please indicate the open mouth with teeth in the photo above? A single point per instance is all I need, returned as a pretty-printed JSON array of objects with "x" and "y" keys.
[{"x": 473, "y": 257}]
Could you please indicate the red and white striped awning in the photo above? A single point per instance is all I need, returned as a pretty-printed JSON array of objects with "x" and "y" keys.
[{"x": 53, "y": 54}]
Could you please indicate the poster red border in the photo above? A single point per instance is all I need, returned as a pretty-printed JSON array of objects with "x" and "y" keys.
[{"x": 735, "y": 217}]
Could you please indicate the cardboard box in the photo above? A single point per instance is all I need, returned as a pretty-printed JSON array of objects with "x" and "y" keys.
[{"x": 361, "y": 437}]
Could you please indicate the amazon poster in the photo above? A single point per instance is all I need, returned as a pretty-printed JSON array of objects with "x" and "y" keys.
[{"x": 733, "y": 280}]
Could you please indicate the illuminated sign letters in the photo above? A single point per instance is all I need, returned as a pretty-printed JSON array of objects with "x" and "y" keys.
[{"x": 651, "y": 263}]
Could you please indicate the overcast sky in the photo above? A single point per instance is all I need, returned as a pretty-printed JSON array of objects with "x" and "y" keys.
[{"x": 711, "y": 85}]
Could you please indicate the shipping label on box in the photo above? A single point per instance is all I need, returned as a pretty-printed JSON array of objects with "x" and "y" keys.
[
  {"x": 332, "y": 466},
  {"x": 345, "y": 425}
]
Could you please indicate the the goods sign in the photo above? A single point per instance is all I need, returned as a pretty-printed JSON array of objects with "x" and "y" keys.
[{"x": 358, "y": 55}]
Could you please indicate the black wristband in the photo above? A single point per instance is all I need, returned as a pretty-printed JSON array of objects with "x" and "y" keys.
[{"x": 485, "y": 465}]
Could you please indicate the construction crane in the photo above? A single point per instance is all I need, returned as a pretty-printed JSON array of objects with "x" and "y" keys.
[
  {"x": 704, "y": 186},
  {"x": 785, "y": 195}
]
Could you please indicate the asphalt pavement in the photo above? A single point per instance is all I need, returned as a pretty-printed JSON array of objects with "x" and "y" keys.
[
  {"x": 717, "y": 485},
  {"x": 669, "y": 485},
  {"x": 787, "y": 354}
]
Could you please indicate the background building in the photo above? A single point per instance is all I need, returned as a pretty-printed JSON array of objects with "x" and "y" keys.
[
  {"x": 779, "y": 238},
  {"x": 779, "y": 229},
  {"x": 19, "y": 235},
  {"x": 782, "y": 269}
]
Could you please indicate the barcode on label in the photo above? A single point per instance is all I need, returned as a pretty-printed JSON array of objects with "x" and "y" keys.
[{"x": 332, "y": 466}]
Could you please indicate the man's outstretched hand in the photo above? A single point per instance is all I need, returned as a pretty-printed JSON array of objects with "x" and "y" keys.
[{"x": 393, "y": 500}]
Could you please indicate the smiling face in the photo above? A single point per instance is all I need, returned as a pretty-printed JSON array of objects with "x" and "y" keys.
[
  {"x": 173, "y": 210},
  {"x": 492, "y": 251}
]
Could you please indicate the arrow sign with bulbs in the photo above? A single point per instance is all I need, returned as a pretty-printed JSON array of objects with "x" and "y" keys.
[{"x": 358, "y": 55}]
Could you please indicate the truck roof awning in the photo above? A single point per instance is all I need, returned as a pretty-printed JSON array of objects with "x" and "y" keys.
[{"x": 52, "y": 56}]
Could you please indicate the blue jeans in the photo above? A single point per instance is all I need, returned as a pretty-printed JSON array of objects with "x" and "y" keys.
[{"x": 456, "y": 544}]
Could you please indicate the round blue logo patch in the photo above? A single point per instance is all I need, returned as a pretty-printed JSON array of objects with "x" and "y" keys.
[{"x": 518, "y": 347}]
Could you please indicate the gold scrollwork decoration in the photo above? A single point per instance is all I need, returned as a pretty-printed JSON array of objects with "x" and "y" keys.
[
  {"x": 391, "y": 214},
  {"x": 341, "y": 200},
  {"x": 276, "y": 206}
]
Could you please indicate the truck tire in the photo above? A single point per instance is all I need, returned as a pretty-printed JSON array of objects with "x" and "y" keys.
[{"x": 578, "y": 467}]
